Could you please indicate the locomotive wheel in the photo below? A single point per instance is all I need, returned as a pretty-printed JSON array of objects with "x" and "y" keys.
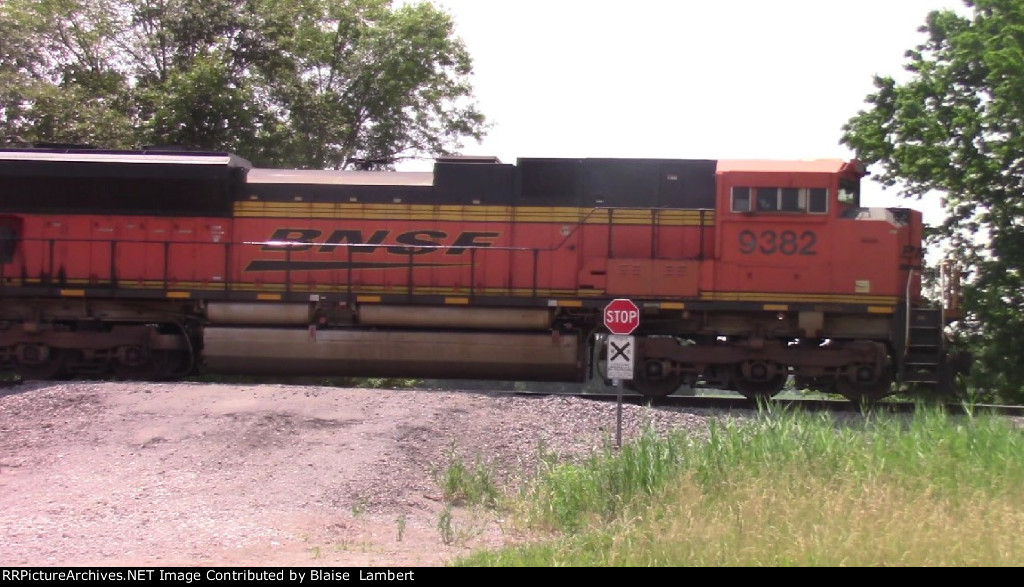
[
  {"x": 155, "y": 366},
  {"x": 141, "y": 371},
  {"x": 864, "y": 390},
  {"x": 763, "y": 384},
  {"x": 654, "y": 378},
  {"x": 819, "y": 384},
  {"x": 53, "y": 367},
  {"x": 755, "y": 390},
  {"x": 660, "y": 387}
]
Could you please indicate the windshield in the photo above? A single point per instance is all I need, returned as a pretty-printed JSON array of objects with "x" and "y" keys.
[{"x": 849, "y": 192}]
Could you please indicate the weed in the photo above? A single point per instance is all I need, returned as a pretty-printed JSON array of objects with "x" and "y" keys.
[
  {"x": 358, "y": 509},
  {"x": 444, "y": 526},
  {"x": 400, "y": 522},
  {"x": 473, "y": 485}
]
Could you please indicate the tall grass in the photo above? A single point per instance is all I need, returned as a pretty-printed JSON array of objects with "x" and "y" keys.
[
  {"x": 461, "y": 483},
  {"x": 788, "y": 489}
]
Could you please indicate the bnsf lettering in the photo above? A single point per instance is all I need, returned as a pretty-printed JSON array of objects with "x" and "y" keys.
[
  {"x": 354, "y": 237},
  {"x": 468, "y": 239},
  {"x": 292, "y": 235},
  {"x": 413, "y": 238},
  {"x": 418, "y": 241},
  {"x": 787, "y": 242}
]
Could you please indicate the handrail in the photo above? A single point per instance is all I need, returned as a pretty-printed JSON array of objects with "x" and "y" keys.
[
  {"x": 654, "y": 209},
  {"x": 47, "y": 247},
  {"x": 942, "y": 285},
  {"x": 906, "y": 334},
  {"x": 950, "y": 283}
]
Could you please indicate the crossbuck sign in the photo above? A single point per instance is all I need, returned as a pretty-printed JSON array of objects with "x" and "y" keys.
[{"x": 620, "y": 356}]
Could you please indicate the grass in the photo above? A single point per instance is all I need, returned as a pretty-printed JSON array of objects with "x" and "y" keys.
[
  {"x": 788, "y": 489},
  {"x": 472, "y": 490},
  {"x": 467, "y": 484}
]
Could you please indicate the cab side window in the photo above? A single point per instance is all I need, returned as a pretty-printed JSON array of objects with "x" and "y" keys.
[
  {"x": 767, "y": 199},
  {"x": 741, "y": 199},
  {"x": 780, "y": 199}
]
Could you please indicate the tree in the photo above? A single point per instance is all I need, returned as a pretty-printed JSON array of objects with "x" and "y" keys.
[
  {"x": 301, "y": 83},
  {"x": 955, "y": 129}
]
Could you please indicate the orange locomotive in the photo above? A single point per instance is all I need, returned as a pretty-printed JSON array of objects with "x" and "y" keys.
[{"x": 154, "y": 264}]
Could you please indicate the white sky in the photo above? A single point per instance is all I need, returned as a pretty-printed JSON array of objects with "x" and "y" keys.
[{"x": 688, "y": 79}]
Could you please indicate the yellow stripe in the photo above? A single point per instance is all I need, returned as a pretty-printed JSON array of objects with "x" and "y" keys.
[
  {"x": 368, "y": 299},
  {"x": 795, "y": 298},
  {"x": 771, "y": 301},
  {"x": 548, "y": 214}
]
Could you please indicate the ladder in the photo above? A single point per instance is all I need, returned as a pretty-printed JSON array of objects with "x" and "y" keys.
[{"x": 924, "y": 346}]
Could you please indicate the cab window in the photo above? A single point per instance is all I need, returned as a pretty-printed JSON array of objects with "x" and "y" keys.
[
  {"x": 741, "y": 199},
  {"x": 780, "y": 199},
  {"x": 849, "y": 192},
  {"x": 767, "y": 199}
]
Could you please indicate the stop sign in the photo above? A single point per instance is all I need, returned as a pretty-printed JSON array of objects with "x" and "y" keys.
[{"x": 621, "y": 316}]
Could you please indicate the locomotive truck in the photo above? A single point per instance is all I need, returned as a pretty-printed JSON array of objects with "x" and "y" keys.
[{"x": 154, "y": 264}]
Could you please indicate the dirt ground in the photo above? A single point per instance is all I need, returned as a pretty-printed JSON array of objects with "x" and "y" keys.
[{"x": 189, "y": 474}]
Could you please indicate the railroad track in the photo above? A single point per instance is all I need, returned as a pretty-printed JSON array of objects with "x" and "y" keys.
[
  {"x": 733, "y": 403},
  {"x": 730, "y": 402}
]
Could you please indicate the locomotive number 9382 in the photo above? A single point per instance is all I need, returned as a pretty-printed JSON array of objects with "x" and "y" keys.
[{"x": 745, "y": 275}]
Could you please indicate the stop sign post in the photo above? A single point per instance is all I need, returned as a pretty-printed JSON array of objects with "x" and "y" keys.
[{"x": 621, "y": 316}]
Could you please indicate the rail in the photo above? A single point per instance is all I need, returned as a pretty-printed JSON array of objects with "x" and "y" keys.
[{"x": 126, "y": 264}]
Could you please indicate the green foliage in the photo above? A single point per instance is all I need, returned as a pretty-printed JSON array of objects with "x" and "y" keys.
[
  {"x": 954, "y": 128},
  {"x": 569, "y": 495},
  {"x": 400, "y": 523},
  {"x": 791, "y": 489},
  {"x": 309, "y": 84},
  {"x": 468, "y": 484},
  {"x": 445, "y": 528}
]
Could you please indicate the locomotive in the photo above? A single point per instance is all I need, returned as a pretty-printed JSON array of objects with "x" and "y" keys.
[{"x": 158, "y": 263}]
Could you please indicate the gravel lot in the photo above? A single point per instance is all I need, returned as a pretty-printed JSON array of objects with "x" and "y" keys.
[{"x": 98, "y": 473}]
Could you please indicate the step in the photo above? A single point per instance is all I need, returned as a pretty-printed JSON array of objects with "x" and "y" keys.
[
  {"x": 924, "y": 339},
  {"x": 920, "y": 378},
  {"x": 926, "y": 318}
]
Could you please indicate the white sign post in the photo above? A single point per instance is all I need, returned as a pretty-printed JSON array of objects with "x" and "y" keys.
[
  {"x": 621, "y": 318},
  {"x": 620, "y": 357}
]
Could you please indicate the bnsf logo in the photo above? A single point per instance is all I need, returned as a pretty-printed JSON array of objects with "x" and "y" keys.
[
  {"x": 348, "y": 243},
  {"x": 418, "y": 241}
]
